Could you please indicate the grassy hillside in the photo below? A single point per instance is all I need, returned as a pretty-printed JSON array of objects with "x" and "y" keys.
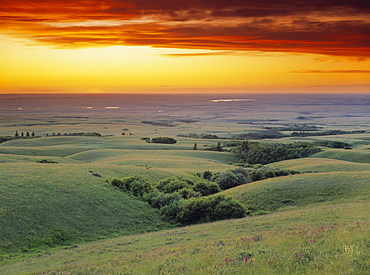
[
  {"x": 324, "y": 240},
  {"x": 360, "y": 156},
  {"x": 318, "y": 222},
  {"x": 48, "y": 204},
  {"x": 320, "y": 165},
  {"x": 302, "y": 190},
  {"x": 70, "y": 201}
]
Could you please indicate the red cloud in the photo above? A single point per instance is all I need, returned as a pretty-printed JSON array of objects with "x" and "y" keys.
[{"x": 328, "y": 27}]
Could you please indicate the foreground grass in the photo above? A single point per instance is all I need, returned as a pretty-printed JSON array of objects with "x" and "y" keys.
[{"x": 326, "y": 239}]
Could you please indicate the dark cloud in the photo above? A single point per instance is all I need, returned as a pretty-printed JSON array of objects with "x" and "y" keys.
[{"x": 328, "y": 27}]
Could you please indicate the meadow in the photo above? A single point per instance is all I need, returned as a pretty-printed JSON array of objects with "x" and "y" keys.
[{"x": 64, "y": 217}]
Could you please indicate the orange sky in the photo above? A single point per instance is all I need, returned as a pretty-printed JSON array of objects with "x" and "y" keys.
[{"x": 141, "y": 46}]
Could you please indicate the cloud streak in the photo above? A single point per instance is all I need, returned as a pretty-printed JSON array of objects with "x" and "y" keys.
[
  {"x": 327, "y": 27},
  {"x": 332, "y": 71}
]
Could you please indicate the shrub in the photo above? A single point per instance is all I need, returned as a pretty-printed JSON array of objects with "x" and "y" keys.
[
  {"x": 173, "y": 184},
  {"x": 46, "y": 161},
  {"x": 137, "y": 186},
  {"x": 158, "y": 199},
  {"x": 206, "y": 188},
  {"x": 232, "y": 178},
  {"x": 166, "y": 140},
  {"x": 207, "y": 175},
  {"x": 188, "y": 193},
  {"x": 207, "y": 209}
]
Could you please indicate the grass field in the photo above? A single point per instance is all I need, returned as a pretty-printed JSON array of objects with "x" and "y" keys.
[
  {"x": 322, "y": 239},
  {"x": 320, "y": 165},
  {"x": 302, "y": 190},
  {"x": 52, "y": 214},
  {"x": 48, "y": 204}
]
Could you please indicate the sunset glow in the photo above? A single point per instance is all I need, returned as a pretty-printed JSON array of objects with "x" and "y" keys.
[{"x": 142, "y": 46}]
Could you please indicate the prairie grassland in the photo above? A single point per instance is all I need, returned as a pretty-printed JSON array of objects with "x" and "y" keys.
[
  {"x": 52, "y": 204},
  {"x": 324, "y": 239},
  {"x": 69, "y": 201},
  {"x": 360, "y": 156},
  {"x": 320, "y": 165},
  {"x": 302, "y": 190},
  {"x": 52, "y": 215}
]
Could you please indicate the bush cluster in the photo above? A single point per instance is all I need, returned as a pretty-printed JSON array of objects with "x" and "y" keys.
[
  {"x": 264, "y": 153},
  {"x": 333, "y": 144},
  {"x": 238, "y": 176},
  {"x": 182, "y": 200},
  {"x": 165, "y": 140}
]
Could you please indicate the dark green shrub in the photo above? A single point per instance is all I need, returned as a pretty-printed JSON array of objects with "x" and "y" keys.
[
  {"x": 138, "y": 186},
  {"x": 232, "y": 178},
  {"x": 206, "y": 188},
  {"x": 166, "y": 140},
  {"x": 188, "y": 193},
  {"x": 159, "y": 199},
  {"x": 46, "y": 161},
  {"x": 170, "y": 211},
  {"x": 207, "y": 175},
  {"x": 173, "y": 184},
  {"x": 207, "y": 209},
  {"x": 257, "y": 175}
]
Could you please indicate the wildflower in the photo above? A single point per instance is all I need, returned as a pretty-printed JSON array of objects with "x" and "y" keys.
[{"x": 311, "y": 241}]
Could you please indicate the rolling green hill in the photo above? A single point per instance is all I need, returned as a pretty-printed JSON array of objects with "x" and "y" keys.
[
  {"x": 318, "y": 222},
  {"x": 302, "y": 190},
  {"x": 360, "y": 156},
  {"x": 54, "y": 204},
  {"x": 47, "y": 204},
  {"x": 320, "y": 165}
]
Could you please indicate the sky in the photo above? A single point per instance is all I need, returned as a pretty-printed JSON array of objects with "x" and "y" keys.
[{"x": 184, "y": 46}]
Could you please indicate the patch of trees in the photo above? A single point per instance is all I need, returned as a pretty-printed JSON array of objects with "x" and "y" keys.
[
  {"x": 264, "y": 153},
  {"x": 326, "y": 133},
  {"x": 18, "y": 136},
  {"x": 165, "y": 140},
  {"x": 92, "y": 134},
  {"x": 294, "y": 127},
  {"x": 160, "y": 123},
  {"x": 333, "y": 144},
  {"x": 260, "y": 135},
  {"x": 181, "y": 200},
  {"x": 217, "y": 147},
  {"x": 274, "y": 133},
  {"x": 5, "y": 138},
  {"x": 202, "y": 136},
  {"x": 239, "y": 176}
]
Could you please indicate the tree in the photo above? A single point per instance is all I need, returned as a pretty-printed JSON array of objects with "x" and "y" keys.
[
  {"x": 27, "y": 134},
  {"x": 33, "y": 134},
  {"x": 195, "y": 147},
  {"x": 219, "y": 147},
  {"x": 16, "y": 134}
]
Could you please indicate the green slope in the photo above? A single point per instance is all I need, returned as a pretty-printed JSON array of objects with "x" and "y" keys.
[
  {"x": 53, "y": 204},
  {"x": 302, "y": 190},
  {"x": 360, "y": 156},
  {"x": 320, "y": 164},
  {"x": 323, "y": 240}
]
